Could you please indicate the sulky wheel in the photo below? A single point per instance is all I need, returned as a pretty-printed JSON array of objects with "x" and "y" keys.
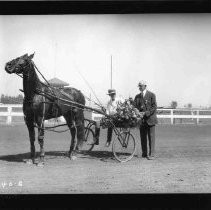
[
  {"x": 124, "y": 146},
  {"x": 89, "y": 136}
]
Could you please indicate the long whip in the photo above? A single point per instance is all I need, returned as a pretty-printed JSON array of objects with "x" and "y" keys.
[
  {"x": 100, "y": 104},
  {"x": 90, "y": 89}
]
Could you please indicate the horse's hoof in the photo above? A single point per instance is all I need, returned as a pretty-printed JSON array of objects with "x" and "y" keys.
[
  {"x": 40, "y": 164},
  {"x": 73, "y": 157}
]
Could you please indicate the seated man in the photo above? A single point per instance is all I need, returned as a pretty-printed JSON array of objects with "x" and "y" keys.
[{"x": 110, "y": 110}]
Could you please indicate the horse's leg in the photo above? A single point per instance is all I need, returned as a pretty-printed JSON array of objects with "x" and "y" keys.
[
  {"x": 72, "y": 152},
  {"x": 72, "y": 128},
  {"x": 40, "y": 124},
  {"x": 30, "y": 125},
  {"x": 79, "y": 121}
]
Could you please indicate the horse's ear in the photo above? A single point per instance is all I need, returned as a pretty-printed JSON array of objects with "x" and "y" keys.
[{"x": 31, "y": 56}]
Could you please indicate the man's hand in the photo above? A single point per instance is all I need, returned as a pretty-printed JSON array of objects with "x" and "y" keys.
[
  {"x": 141, "y": 114},
  {"x": 147, "y": 113}
]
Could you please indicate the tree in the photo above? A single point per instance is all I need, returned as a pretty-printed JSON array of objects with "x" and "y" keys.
[
  {"x": 174, "y": 104},
  {"x": 5, "y": 99},
  {"x": 189, "y": 105}
]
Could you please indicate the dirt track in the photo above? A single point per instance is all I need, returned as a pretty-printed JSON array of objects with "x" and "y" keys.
[{"x": 183, "y": 164}]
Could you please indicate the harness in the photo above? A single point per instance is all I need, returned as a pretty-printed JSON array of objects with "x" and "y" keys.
[
  {"x": 44, "y": 102},
  {"x": 54, "y": 99}
]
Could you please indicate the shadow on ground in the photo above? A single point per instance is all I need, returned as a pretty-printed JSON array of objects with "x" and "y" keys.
[{"x": 98, "y": 155}]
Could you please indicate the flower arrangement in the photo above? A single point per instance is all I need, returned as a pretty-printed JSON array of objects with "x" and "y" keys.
[{"x": 126, "y": 116}]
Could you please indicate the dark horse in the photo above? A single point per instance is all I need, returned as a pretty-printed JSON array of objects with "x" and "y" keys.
[{"x": 39, "y": 107}]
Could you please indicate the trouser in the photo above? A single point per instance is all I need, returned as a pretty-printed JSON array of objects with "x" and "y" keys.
[
  {"x": 109, "y": 134},
  {"x": 147, "y": 132},
  {"x": 97, "y": 131}
]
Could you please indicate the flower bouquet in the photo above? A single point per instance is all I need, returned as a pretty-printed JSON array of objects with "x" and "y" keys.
[{"x": 126, "y": 116}]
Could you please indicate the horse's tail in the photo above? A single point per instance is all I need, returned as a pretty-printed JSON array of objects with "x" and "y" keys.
[
  {"x": 80, "y": 119},
  {"x": 79, "y": 114}
]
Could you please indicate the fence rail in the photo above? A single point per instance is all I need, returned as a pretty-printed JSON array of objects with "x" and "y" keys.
[
  {"x": 12, "y": 113},
  {"x": 193, "y": 115}
]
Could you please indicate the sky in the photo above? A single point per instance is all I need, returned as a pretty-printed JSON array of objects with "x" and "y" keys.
[{"x": 171, "y": 52}]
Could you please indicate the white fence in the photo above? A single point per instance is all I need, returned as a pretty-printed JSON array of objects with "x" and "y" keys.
[
  {"x": 12, "y": 113},
  {"x": 192, "y": 115},
  {"x": 172, "y": 115}
]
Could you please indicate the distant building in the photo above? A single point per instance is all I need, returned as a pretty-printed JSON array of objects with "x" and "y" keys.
[{"x": 55, "y": 82}]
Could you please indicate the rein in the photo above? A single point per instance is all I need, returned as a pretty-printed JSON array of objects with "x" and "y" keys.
[
  {"x": 74, "y": 104},
  {"x": 48, "y": 84},
  {"x": 77, "y": 105},
  {"x": 41, "y": 74},
  {"x": 51, "y": 95}
]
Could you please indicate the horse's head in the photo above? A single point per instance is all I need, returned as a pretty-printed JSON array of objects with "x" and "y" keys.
[{"x": 18, "y": 65}]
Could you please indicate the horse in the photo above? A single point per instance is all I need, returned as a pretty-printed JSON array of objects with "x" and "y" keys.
[{"x": 39, "y": 107}]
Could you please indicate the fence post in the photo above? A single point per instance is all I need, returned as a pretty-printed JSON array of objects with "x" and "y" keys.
[
  {"x": 197, "y": 119},
  {"x": 172, "y": 117},
  {"x": 9, "y": 117}
]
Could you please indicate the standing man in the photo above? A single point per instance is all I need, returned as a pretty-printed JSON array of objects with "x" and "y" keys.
[{"x": 145, "y": 102}]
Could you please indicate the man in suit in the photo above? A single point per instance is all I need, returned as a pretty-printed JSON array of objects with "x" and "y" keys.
[{"x": 145, "y": 102}]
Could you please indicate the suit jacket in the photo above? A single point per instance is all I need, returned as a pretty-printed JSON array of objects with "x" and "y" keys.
[{"x": 148, "y": 105}]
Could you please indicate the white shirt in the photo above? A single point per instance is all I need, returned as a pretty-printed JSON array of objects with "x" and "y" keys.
[
  {"x": 112, "y": 105},
  {"x": 144, "y": 92}
]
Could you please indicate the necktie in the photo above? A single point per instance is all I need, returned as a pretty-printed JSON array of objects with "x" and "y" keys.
[{"x": 142, "y": 100}]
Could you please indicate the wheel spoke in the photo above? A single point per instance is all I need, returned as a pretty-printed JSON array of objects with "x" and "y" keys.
[
  {"x": 124, "y": 146},
  {"x": 89, "y": 136}
]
